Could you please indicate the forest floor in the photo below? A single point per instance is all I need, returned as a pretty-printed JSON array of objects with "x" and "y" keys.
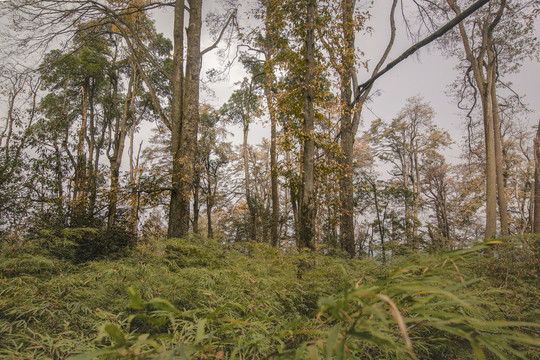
[{"x": 199, "y": 299}]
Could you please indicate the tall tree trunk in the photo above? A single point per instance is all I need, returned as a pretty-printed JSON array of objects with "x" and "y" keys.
[
  {"x": 59, "y": 189},
  {"x": 405, "y": 166},
  {"x": 536, "y": 206},
  {"x": 196, "y": 187},
  {"x": 269, "y": 73},
  {"x": 175, "y": 213},
  {"x": 92, "y": 154},
  {"x": 307, "y": 210},
  {"x": 250, "y": 201},
  {"x": 79, "y": 207},
  {"x": 348, "y": 133},
  {"x": 483, "y": 82},
  {"x": 120, "y": 133},
  {"x": 209, "y": 200},
  {"x": 380, "y": 222},
  {"x": 491, "y": 174},
  {"x": 415, "y": 171},
  {"x": 501, "y": 193},
  {"x": 210, "y": 229},
  {"x": 350, "y": 119},
  {"x": 134, "y": 181},
  {"x": 273, "y": 176},
  {"x": 190, "y": 119}
]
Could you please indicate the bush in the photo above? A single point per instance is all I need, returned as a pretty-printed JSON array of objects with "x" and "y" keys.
[{"x": 92, "y": 243}]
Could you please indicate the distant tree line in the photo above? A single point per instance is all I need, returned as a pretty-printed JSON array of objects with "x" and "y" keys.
[{"x": 71, "y": 154}]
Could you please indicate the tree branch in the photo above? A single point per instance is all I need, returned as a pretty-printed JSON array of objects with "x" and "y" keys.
[
  {"x": 437, "y": 34},
  {"x": 215, "y": 44}
]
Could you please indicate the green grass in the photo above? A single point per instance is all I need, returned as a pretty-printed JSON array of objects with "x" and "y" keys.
[{"x": 196, "y": 298}]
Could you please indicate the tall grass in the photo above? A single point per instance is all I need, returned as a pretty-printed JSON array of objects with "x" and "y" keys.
[{"x": 195, "y": 298}]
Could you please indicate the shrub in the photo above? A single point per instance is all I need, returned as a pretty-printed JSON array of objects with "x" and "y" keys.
[{"x": 92, "y": 243}]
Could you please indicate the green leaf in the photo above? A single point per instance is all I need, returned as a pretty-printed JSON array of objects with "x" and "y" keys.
[
  {"x": 477, "y": 349},
  {"x": 136, "y": 301},
  {"x": 200, "y": 331},
  {"x": 331, "y": 341},
  {"x": 115, "y": 333},
  {"x": 164, "y": 305},
  {"x": 91, "y": 355}
]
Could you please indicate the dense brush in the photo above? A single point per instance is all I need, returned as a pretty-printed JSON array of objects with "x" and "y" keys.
[{"x": 195, "y": 298}]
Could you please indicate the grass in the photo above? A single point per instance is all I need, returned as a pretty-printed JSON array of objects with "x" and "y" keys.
[{"x": 196, "y": 298}]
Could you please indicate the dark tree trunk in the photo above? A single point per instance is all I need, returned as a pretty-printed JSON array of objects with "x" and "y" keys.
[
  {"x": 348, "y": 133},
  {"x": 269, "y": 72},
  {"x": 175, "y": 216},
  {"x": 209, "y": 200},
  {"x": 196, "y": 186}
]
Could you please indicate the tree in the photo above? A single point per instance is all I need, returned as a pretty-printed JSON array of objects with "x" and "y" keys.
[
  {"x": 409, "y": 143},
  {"x": 490, "y": 42},
  {"x": 185, "y": 112},
  {"x": 241, "y": 107},
  {"x": 21, "y": 113},
  {"x": 213, "y": 154},
  {"x": 437, "y": 191},
  {"x": 340, "y": 45},
  {"x": 271, "y": 24},
  {"x": 307, "y": 208},
  {"x": 80, "y": 76}
]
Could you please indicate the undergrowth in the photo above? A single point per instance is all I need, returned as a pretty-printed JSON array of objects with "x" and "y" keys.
[{"x": 196, "y": 298}]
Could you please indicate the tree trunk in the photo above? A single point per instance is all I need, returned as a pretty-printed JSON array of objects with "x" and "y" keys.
[
  {"x": 249, "y": 199},
  {"x": 209, "y": 200},
  {"x": 134, "y": 181},
  {"x": 380, "y": 224},
  {"x": 59, "y": 189},
  {"x": 115, "y": 160},
  {"x": 92, "y": 155},
  {"x": 536, "y": 206},
  {"x": 274, "y": 177},
  {"x": 190, "y": 120},
  {"x": 307, "y": 209},
  {"x": 79, "y": 190},
  {"x": 417, "y": 189},
  {"x": 269, "y": 72},
  {"x": 501, "y": 193},
  {"x": 491, "y": 174},
  {"x": 483, "y": 82},
  {"x": 196, "y": 186},
  {"x": 348, "y": 133},
  {"x": 210, "y": 229},
  {"x": 175, "y": 215}
]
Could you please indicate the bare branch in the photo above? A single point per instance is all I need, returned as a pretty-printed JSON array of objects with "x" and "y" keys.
[
  {"x": 443, "y": 30},
  {"x": 215, "y": 44}
]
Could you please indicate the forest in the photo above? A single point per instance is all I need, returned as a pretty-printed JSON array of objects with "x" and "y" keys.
[{"x": 210, "y": 180}]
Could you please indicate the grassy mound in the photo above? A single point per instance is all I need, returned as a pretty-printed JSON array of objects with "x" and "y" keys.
[{"x": 195, "y": 298}]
